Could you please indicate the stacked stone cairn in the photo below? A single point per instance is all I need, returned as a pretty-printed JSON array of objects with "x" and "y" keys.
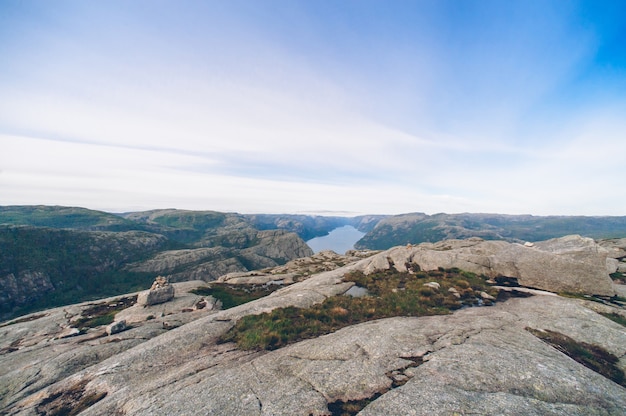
[{"x": 160, "y": 292}]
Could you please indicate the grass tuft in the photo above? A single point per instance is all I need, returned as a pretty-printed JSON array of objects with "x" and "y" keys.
[
  {"x": 615, "y": 317},
  {"x": 591, "y": 356},
  {"x": 391, "y": 294},
  {"x": 235, "y": 295}
]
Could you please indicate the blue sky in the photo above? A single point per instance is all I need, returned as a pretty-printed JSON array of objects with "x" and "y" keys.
[{"x": 305, "y": 106}]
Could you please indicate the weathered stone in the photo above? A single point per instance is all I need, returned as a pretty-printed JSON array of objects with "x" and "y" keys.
[
  {"x": 486, "y": 296},
  {"x": 569, "y": 264},
  {"x": 236, "y": 250},
  {"x": 116, "y": 327},
  {"x": 432, "y": 285},
  {"x": 558, "y": 272},
  {"x": 455, "y": 292},
  {"x": 68, "y": 332},
  {"x": 162, "y": 292},
  {"x": 480, "y": 360}
]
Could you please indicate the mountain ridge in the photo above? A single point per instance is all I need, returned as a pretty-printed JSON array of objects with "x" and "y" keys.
[{"x": 207, "y": 244}]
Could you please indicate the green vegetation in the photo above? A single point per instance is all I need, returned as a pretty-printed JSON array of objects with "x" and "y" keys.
[
  {"x": 391, "y": 294},
  {"x": 419, "y": 228},
  {"x": 63, "y": 217},
  {"x": 195, "y": 220},
  {"x": 620, "y": 319},
  {"x": 79, "y": 265},
  {"x": 103, "y": 313},
  {"x": 618, "y": 277},
  {"x": 235, "y": 295},
  {"x": 591, "y": 356}
]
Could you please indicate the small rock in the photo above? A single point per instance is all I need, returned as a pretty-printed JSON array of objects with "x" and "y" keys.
[
  {"x": 486, "y": 296},
  {"x": 68, "y": 332},
  {"x": 454, "y": 292},
  {"x": 433, "y": 285},
  {"x": 116, "y": 327}
]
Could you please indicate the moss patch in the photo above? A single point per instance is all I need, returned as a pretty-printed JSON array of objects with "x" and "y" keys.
[
  {"x": 103, "y": 313},
  {"x": 392, "y": 294},
  {"x": 618, "y": 277},
  {"x": 591, "y": 356},
  {"x": 615, "y": 317},
  {"x": 235, "y": 295}
]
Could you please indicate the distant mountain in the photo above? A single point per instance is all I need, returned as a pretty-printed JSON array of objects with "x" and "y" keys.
[
  {"x": 42, "y": 266},
  {"x": 63, "y": 217},
  {"x": 417, "y": 228},
  {"x": 53, "y": 256},
  {"x": 311, "y": 226}
]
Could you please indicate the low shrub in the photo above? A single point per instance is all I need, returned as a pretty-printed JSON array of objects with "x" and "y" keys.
[
  {"x": 391, "y": 294},
  {"x": 591, "y": 356},
  {"x": 615, "y": 317},
  {"x": 235, "y": 295},
  {"x": 103, "y": 313}
]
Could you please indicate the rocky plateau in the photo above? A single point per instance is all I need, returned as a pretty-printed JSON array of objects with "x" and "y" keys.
[{"x": 475, "y": 360}]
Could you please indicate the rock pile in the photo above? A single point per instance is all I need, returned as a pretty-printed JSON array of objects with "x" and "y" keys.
[{"x": 160, "y": 292}]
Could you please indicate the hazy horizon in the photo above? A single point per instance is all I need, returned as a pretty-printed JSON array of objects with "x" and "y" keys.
[{"x": 363, "y": 107}]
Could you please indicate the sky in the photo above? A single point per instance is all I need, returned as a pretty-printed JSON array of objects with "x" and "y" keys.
[{"x": 335, "y": 107}]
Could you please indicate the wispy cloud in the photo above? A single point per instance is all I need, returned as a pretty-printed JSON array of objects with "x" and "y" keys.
[{"x": 484, "y": 106}]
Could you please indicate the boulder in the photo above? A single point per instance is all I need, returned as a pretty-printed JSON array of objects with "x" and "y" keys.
[
  {"x": 569, "y": 264},
  {"x": 573, "y": 273},
  {"x": 116, "y": 327},
  {"x": 160, "y": 292},
  {"x": 616, "y": 247}
]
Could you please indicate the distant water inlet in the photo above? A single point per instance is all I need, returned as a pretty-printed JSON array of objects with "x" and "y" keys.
[{"x": 339, "y": 240}]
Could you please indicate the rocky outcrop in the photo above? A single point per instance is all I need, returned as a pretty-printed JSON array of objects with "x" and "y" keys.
[
  {"x": 78, "y": 264},
  {"x": 269, "y": 249},
  {"x": 72, "y": 264},
  {"x": 485, "y": 360},
  {"x": 40, "y": 349},
  {"x": 24, "y": 288},
  {"x": 570, "y": 264},
  {"x": 295, "y": 270},
  {"x": 160, "y": 292},
  {"x": 616, "y": 247}
]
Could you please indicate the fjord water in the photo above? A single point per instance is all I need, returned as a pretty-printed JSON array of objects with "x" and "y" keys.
[{"x": 339, "y": 240}]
